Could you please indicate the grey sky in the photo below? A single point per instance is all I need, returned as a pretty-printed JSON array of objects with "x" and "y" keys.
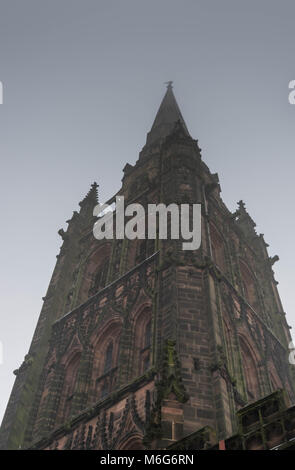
[{"x": 82, "y": 83}]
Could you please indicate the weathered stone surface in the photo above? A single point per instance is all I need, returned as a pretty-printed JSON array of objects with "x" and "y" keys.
[{"x": 140, "y": 343}]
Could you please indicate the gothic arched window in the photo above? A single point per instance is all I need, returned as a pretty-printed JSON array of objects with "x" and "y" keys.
[
  {"x": 105, "y": 360},
  {"x": 95, "y": 271}
]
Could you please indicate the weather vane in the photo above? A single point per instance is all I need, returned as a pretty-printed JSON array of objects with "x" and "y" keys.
[{"x": 169, "y": 84}]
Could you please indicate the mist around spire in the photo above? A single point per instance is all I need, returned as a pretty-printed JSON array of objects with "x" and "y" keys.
[{"x": 166, "y": 118}]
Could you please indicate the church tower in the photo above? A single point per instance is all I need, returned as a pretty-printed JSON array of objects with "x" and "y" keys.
[{"x": 140, "y": 343}]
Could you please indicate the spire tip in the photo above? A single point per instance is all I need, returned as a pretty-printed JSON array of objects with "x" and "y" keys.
[{"x": 169, "y": 84}]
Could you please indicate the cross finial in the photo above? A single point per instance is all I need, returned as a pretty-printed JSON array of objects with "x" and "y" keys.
[{"x": 169, "y": 84}]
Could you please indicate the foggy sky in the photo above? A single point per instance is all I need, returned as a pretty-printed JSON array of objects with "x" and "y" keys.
[{"x": 82, "y": 83}]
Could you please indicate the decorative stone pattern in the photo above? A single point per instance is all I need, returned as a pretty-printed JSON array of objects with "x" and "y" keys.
[
  {"x": 149, "y": 343},
  {"x": 113, "y": 316}
]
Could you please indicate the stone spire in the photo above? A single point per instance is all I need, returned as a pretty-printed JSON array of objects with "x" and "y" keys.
[{"x": 167, "y": 116}]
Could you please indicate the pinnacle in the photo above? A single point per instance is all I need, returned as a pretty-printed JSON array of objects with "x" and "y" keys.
[{"x": 91, "y": 196}]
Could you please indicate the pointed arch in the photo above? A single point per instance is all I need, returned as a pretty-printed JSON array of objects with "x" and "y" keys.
[
  {"x": 106, "y": 344},
  {"x": 95, "y": 271},
  {"x": 250, "y": 369}
]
